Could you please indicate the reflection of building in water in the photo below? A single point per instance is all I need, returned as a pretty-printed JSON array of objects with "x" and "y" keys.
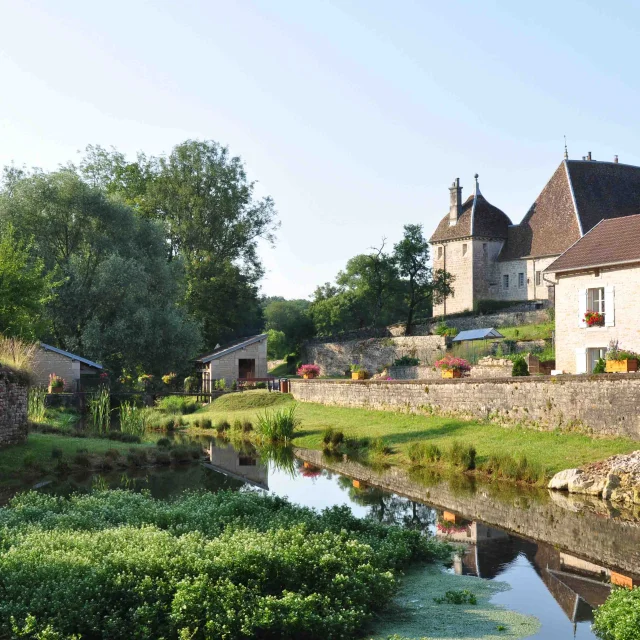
[
  {"x": 577, "y": 586},
  {"x": 244, "y": 466}
]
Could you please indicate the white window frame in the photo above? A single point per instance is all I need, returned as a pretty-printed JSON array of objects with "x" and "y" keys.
[
  {"x": 593, "y": 355},
  {"x": 596, "y": 300},
  {"x": 521, "y": 280}
]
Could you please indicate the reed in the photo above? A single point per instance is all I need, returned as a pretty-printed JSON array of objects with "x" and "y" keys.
[
  {"x": 278, "y": 425},
  {"x": 133, "y": 420},
  {"x": 35, "y": 404},
  {"x": 100, "y": 411}
]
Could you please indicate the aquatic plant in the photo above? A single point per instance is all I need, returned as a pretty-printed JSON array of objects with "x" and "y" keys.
[
  {"x": 35, "y": 404},
  {"x": 99, "y": 405},
  {"x": 277, "y": 425},
  {"x": 457, "y": 596},
  {"x": 133, "y": 420},
  {"x": 462, "y": 455}
]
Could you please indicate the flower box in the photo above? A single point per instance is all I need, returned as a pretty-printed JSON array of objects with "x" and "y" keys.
[
  {"x": 594, "y": 319},
  {"x": 358, "y": 375},
  {"x": 309, "y": 376},
  {"x": 451, "y": 373},
  {"x": 621, "y": 366}
]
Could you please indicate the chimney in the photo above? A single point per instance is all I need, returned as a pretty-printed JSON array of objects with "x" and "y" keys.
[
  {"x": 589, "y": 155},
  {"x": 455, "y": 202},
  {"x": 615, "y": 159}
]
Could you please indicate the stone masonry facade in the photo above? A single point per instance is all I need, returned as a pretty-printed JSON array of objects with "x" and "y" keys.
[
  {"x": 374, "y": 354},
  {"x": 573, "y": 338},
  {"x": 13, "y": 408},
  {"x": 604, "y": 405},
  {"x": 47, "y": 362}
]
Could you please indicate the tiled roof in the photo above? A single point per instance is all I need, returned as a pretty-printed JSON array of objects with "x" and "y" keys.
[
  {"x": 230, "y": 348},
  {"x": 579, "y": 194},
  {"x": 482, "y": 221},
  {"x": 613, "y": 241}
]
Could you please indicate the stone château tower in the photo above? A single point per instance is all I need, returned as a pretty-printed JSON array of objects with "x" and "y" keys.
[{"x": 467, "y": 243}]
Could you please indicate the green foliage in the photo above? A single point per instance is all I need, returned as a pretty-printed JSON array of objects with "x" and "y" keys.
[
  {"x": 133, "y": 420},
  {"x": 277, "y": 425},
  {"x": 289, "y": 324},
  {"x": 249, "y": 400},
  {"x": 24, "y": 287},
  {"x": 443, "y": 329},
  {"x": 518, "y": 468},
  {"x": 520, "y": 367},
  {"x": 99, "y": 405},
  {"x": 600, "y": 366},
  {"x": 619, "y": 617},
  {"x": 276, "y": 344},
  {"x": 406, "y": 361},
  {"x": 191, "y": 384},
  {"x": 461, "y": 455},
  {"x": 420, "y": 453},
  {"x": 177, "y": 404},
  {"x": 233, "y": 564},
  {"x": 18, "y": 355},
  {"x": 332, "y": 439},
  {"x": 35, "y": 404},
  {"x": 457, "y": 596}
]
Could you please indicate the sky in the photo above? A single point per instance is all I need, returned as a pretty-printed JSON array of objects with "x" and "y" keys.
[{"x": 355, "y": 116}]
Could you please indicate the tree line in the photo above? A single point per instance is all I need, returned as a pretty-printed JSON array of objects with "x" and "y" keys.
[{"x": 138, "y": 264}]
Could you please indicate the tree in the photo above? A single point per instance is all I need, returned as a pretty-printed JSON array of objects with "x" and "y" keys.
[
  {"x": 201, "y": 196},
  {"x": 423, "y": 285},
  {"x": 24, "y": 289},
  {"x": 118, "y": 299},
  {"x": 291, "y": 317}
]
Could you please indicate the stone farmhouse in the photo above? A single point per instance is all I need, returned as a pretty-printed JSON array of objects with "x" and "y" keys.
[
  {"x": 599, "y": 273},
  {"x": 494, "y": 259}
]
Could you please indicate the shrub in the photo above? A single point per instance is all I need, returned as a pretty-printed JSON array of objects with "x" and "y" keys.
[
  {"x": 163, "y": 443},
  {"x": 311, "y": 370},
  {"x": 445, "y": 330},
  {"x": 223, "y": 426},
  {"x": 169, "y": 379},
  {"x": 516, "y": 469},
  {"x": 519, "y": 367},
  {"x": 421, "y": 452},
  {"x": 619, "y": 617},
  {"x": 450, "y": 363},
  {"x": 461, "y": 455},
  {"x": 191, "y": 384},
  {"x": 278, "y": 425},
  {"x": 233, "y": 564},
  {"x": 206, "y": 423},
  {"x": 378, "y": 448},
  {"x": 177, "y": 404},
  {"x": 406, "y": 361},
  {"x": 327, "y": 435},
  {"x": 337, "y": 438},
  {"x": 601, "y": 366}
]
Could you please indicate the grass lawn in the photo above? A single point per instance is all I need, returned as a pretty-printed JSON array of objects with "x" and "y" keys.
[
  {"x": 528, "y": 331},
  {"x": 552, "y": 450}
]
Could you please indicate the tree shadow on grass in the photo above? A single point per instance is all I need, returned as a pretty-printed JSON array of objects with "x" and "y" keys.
[{"x": 444, "y": 430}]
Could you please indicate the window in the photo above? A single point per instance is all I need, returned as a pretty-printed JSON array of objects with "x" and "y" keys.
[
  {"x": 538, "y": 278},
  {"x": 593, "y": 355},
  {"x": 595, "y": 299},
  {"x": 505, "y": 281},
  {"x": 464, "y": 249},
  {"x": 440, "y": 251},
  {"x": 521, "y": 280}
]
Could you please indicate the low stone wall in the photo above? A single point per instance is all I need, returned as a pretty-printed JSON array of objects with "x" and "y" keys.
[
  {"x": 605, "y": 405},
  {"x": 373, "y": 354},
  {"x": 414, "y": 373},
  {"x": 13, "y": 408},
  {"x": 492, "y": 368}
]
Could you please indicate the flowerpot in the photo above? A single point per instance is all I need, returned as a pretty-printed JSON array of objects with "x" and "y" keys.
[
  {"x": 55, "y": 389},
  {"x": 621, "y": 366},
  {"x": 452, "y": 373},
  {"x": 308, "y": 376},
  {"x": 358, "y": 375}
]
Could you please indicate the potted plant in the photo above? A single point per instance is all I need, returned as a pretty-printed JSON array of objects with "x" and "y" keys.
[
  {"x": 594, "y": 319},
  {"x": 170, "y": 379},
  {"x": 309, "y": 371},
  {"x": 56, "y": 383},
  {"x": 145, "y": 380},
  {"x": 104, "y": 379},
  {"x": 452, "y": 367},
  {"x": 358, "y": 372},
  {"x": 619, "y": 360}
]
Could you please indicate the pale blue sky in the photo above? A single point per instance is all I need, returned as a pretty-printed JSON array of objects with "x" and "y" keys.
[{"x": 354, "y": 115}]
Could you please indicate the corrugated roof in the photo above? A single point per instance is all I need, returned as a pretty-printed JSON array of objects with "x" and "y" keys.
[
  {"x": 73, "y": 356},
  {"x": 477, "y": 334},
  {"x": 610, "y": 242},
  {"x": 230, "y": 348}
]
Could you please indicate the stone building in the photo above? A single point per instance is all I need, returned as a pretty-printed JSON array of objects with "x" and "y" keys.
[
  {"x": 601, "y": 273},
  {"x": 245, "y": 359},
  {"x": 493, "y": 259},
  {"x": 69, "y": 366}
]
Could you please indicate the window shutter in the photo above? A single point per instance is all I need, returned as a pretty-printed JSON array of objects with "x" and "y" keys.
[
  {"x": 581, "y": 360},
  {"x": 609, "y": 307},
  {"x": 582, "y": 307}
]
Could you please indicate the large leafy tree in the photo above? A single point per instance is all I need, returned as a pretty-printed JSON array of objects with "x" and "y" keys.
[
  {"x": 201, "y": 196},
  {"x": 424, "y": 286},
  {"x": 290, "y": 317},
  {"x": 24, "y": 288},
  {"x": 118, "y": 300}
]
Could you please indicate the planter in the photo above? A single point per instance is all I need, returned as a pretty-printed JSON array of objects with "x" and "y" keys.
[
  {"x": 55, "y": 389},
  {"x": 308, "y": 376},
  {"x": 621, "y": 366},
  {"x": 452, "y": 373},
  {"x": 358, "y": 375}
]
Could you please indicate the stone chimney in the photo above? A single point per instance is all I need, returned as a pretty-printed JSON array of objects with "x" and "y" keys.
[
  {"x": 615, "y": 159},
  {"x": 589, "y": 156},
  {"x": 455, "y": 202}
]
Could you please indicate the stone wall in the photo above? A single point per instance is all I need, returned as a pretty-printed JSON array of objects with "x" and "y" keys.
[
  {"x": 492, "y": 368},
  {"x": 605, "y": 405},
  {"x": 47, "y": 362},
  {"x": 414, "y": 373},
  {"x": 13, "y": 408},
  {"x": 373, "y": 354}
]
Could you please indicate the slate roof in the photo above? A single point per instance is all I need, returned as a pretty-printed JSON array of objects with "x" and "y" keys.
[
  {"x": 70, "y": 355},
  {"x": 479, "y": 218},
  {"x": 579, "y": 194},
  {"x": 230, "y": 348},
  {"x": 610, "y": 242}
]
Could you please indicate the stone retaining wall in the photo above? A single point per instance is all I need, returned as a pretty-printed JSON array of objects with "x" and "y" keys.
[
  {"x": 603, "y": 405},
  {"x": 13, "y": 408},
  {"x": 414, "y": 373}
]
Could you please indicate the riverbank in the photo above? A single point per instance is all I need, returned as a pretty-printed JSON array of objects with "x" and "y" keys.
[{"x": 399, "y": 432}]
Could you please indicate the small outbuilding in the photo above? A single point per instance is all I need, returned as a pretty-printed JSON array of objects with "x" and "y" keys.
[
  {"x": 70, "y": 367},
  {"x": 245, "y": 359}
]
